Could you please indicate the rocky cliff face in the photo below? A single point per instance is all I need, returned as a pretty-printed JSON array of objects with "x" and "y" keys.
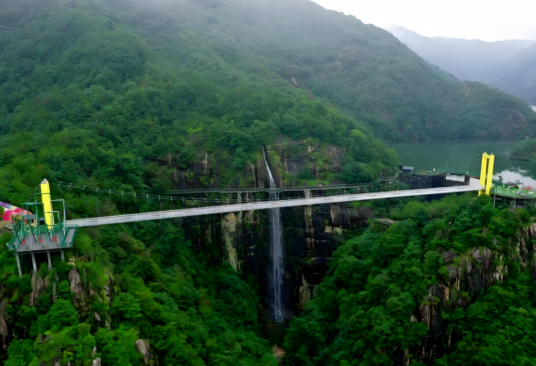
[
  {"x": 287, "y": 159},
  {"x": 311, "y": 234},
  {"x": 469, "y": 275}
]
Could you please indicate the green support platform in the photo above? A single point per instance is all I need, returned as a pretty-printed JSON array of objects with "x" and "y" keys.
[{"x": 40, "y": 232}]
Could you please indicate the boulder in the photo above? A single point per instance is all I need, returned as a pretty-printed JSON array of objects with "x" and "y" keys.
[
  {"x": 3, "y": 325},
  {"x": 6, "y": 227},
  {"x": 98, "y": 319},
  {"x": 448, "y": 256},
  {"x": 107, "y": 294},
  {"x": 143, "y": 347},
  {"x": 38, "y": 287},
  {"x": 108, "y": 288},
  {"x": 531, "y": 231},
  {"x": 279, "y": 354},
  {"x": 76, "y": 284},
  {"x": 305, "y": 293}
]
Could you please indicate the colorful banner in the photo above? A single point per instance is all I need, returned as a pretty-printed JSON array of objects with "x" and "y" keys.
[{"x": 10, "y": 210}]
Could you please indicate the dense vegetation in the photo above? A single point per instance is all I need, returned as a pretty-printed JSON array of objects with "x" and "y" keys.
[
  {"x": 450, "y": 283},
  {"x": 124, "y": 94},
  {"x": 140, "y": 282},
  {"x": 361, "y": 69},
  {"x": 91, "y": 93}
]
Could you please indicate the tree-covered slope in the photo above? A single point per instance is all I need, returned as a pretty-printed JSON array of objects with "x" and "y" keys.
[
  {"x": 362, "y": 69},
  {"x": 129, "y": 287},
  {"x": 88, "y": 96},
  {"x": 450, "y": 282},
  {"x": 133, "y": 82},
  {"x": 90, "y": 93}
]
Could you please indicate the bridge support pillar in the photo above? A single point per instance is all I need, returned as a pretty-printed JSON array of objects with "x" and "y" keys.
[
  {"x": 49, "y": 261},
  {"x": 486, "y": 173},
  {"x": 18, "y": 264},
  {"x": 33, "y": 262},
  {"x": 62, "y": 255}
]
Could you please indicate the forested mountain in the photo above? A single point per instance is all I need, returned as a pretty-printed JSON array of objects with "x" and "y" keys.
[
  {"x": 358, "y": 68},
  {"x": 140, "y": 96},
  {"x": 133, "y": 82},
  {"x": 450, "y": 282},
  {"x": 103, "y": 88},
  {"x": 508, "y": 65}
]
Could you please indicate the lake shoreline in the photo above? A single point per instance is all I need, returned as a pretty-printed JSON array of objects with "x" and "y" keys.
[
  {"x": 466, "y": 155},
  {"x": 519, "y": 158}
]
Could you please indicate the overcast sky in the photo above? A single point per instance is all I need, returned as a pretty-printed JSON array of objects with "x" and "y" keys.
[{"x": 489, "y": 20}]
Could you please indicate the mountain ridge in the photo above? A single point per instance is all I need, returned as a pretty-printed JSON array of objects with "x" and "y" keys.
[
  {"x": 140, "y": 97},
  {"x": 504, "y": 64}
]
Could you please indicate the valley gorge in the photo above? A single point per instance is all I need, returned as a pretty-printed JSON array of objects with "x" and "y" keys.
[
  {"x": 130, "y": 108},
  {"x": 309, "y": 234}
]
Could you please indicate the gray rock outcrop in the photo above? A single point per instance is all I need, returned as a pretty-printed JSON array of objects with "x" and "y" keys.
[
  {"x": 76, "y": 284},
  {"x": 143, "y": 347},
  {"x": 38, "y": 287},
  {"x": 3, "y": 325}
]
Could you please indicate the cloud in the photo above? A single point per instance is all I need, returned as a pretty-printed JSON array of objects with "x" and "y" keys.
[{"x": 469, "y": 19}]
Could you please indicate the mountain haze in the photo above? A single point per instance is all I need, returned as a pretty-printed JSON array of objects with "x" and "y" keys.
[
  {"x": 508, "y": 64},
  {"x": 473, "y": 60},
  {"x": 520, "y": 78}
]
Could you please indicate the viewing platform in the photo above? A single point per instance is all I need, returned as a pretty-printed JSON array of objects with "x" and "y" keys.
[
  {"x": 29, "y": 239},
  {"x": 40, "y": 229}
]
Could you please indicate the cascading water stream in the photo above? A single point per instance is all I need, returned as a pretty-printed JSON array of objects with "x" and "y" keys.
[{"x": 276, "y": 251}]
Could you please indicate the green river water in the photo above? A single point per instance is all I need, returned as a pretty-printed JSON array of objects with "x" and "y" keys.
[{"x": 455, "y": 155}]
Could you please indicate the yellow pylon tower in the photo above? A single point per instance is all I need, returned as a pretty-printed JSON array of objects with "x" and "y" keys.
[
  {"x": 486, "y": 174},
  {"x": 47, "y": 203}
]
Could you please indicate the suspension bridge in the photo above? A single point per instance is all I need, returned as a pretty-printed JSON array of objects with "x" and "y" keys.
[
  {"x": 40, "y": 228},
  {"x": 473, "y": 186}
]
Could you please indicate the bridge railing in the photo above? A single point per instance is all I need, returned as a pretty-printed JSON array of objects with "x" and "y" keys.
[{"x": 225, "y": 208}]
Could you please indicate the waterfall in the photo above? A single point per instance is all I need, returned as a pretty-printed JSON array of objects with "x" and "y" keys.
[{"x": 276, "y": 251}]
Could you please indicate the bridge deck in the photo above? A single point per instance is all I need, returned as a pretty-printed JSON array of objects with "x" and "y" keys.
[{"x": 150, "y": 216}]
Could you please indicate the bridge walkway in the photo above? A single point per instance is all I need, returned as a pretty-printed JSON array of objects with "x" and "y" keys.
[{"x": 473, "y": 186}]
